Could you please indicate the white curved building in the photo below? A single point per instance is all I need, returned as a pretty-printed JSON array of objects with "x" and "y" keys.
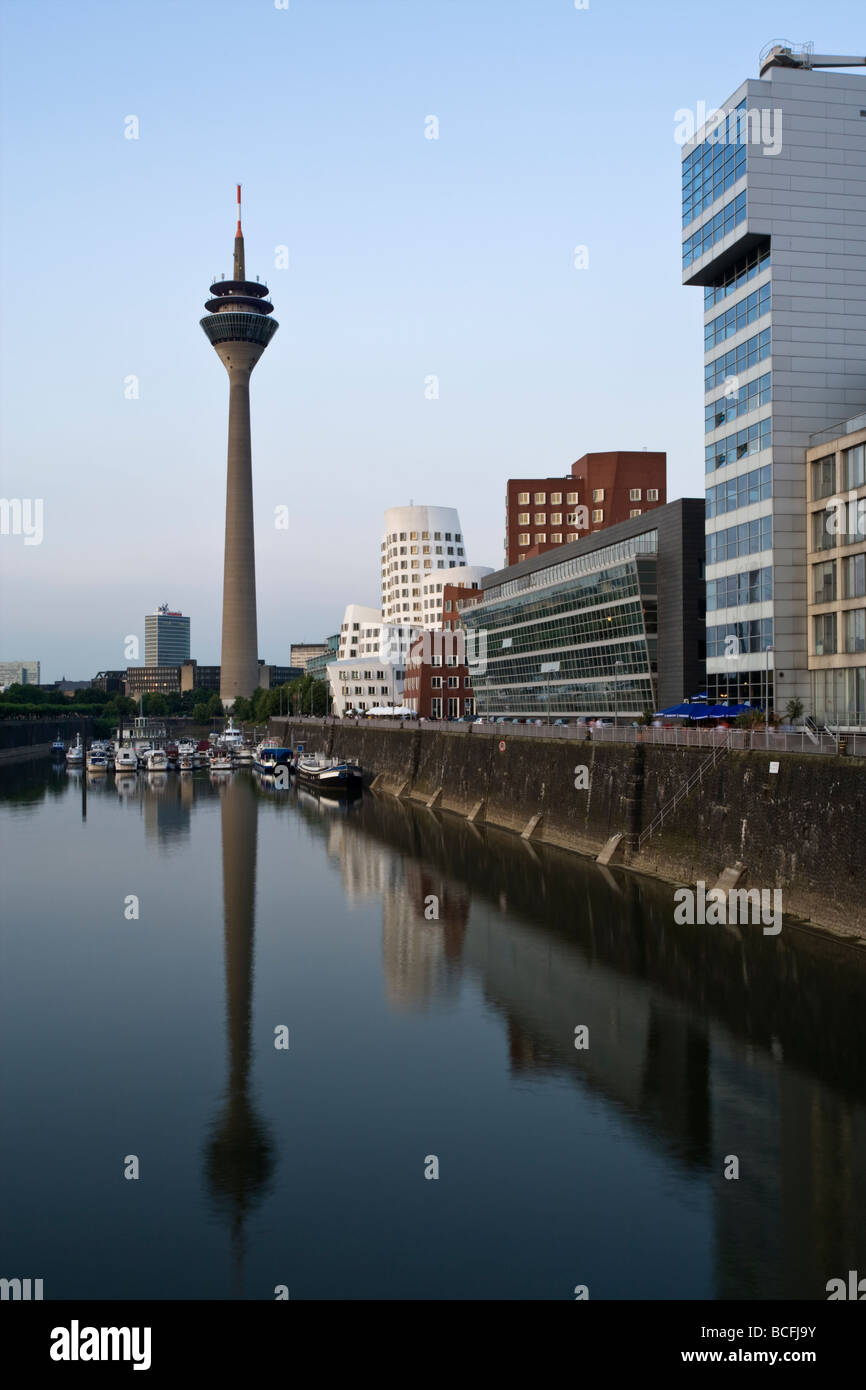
[
  {"x": 417, "y": 544},
  {"x": 432, "y": 585}
]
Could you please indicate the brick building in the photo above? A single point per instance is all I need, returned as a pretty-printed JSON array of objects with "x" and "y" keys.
[
  {"x": 438, "y": 681},
  {"x": 600, "y": 490}
]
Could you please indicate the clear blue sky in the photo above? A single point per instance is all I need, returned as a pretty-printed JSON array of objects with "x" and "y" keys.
[{"x": 408, "y": 257}]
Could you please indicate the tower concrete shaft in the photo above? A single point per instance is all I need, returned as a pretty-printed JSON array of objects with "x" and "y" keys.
[{"x": 239, "y": 330}]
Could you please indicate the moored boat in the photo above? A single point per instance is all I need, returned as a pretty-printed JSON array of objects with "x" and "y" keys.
[
  {"x": 96, "y": 760},
  {"x": 75, "y": 754},
  {"x": 58, "y": 747},
  {"x": 125, "y": 759},
  {"x": 157, "y": 760},
  {"x": 221, "y": 760},
  {"x": 269, "y": 755},
  {"x": 329, "y": 774}
]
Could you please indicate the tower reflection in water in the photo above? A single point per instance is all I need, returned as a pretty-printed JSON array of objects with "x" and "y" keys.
[{"x": 239, "y": 1158}]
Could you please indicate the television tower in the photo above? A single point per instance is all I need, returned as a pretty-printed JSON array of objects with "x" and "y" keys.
[{"x": 239, "y": 331}]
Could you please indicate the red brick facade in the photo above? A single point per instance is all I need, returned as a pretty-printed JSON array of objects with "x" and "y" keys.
[
  {"x": 600, "y": 490},
  {"x": 437, "y": 684}
]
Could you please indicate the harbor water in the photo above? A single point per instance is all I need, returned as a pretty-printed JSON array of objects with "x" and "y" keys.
[{"x": 256, "y": 1040}]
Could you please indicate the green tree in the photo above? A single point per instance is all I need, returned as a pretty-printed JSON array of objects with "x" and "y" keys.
[
  {"x": 242, "y": 710},
  {"x": 200, "y": 713},
  {"x": 214, "y": 706},
  {"x": 794, "y": 709}
]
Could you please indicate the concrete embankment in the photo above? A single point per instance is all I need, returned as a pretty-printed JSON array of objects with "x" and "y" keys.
[
  {"x": 21, "y": 739},
  {"x": 800, "y": 829}
]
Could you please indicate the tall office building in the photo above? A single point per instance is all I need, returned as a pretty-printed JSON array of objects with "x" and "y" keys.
[
  {"x": 166, "y": 637},
  {"x": 239, "y": 330},
  {"x": 774, "y": 230}
]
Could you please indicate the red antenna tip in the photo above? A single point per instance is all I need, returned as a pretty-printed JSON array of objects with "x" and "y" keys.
[{"x": 239, "y": 232}]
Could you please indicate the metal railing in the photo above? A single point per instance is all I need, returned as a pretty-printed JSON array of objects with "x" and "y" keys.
[
  {"x": 696, "y": 779},
  {"x": 801, "y": 740}
]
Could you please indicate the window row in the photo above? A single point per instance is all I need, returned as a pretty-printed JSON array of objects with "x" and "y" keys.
[
  {"x": 414, "y": 536},
  {"x": 840, "y": 523},
  {"x": 739, "y": 316},
  {"x": 828, "y": 629},
  {"x": 730, "y": 216},
  {"x": 739, "y": 402},
  {"x": 738, "y": 359},
  {"x": 853, "y": 470},
  {"x": 755, "y": 486},
  {"x": 825, "y": 588},
  {"x": 749, "y": 538},
  {"x": 540, "y": 498},
  {"x": 740, "y": 639},
  {"x": 741, "y": 274},
  {"x": 750, "y": 440},
  {"x": 733, "y": 590}
]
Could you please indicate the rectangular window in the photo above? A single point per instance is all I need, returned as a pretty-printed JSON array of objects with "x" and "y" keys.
[
  {"x": 598, "y": 494},
  {"x": 453, "y": 682},
  {"x": 598, "y": 514},
  {"x": 522, "y": 519},
  {"x": 436, "y": 682},
  {"x": 855, "y": 630},
  {"x": 453, "y": 708},
  {"x": 540, "y": 497},
  {"x": 636, "y": 511},
  {"x": 556, "y": 518},
  {"x": 634, "y": 494},
  {"x": 571, "y": 498},
  {"x": 540, "y": 518},
  {"x": 541, "y": 538},
  {"x": 823, "y": 477},
  {"x": 523, "y": 539},
  {"x": 652, "y": 494},
  {"x": 436, "y": 707},
  {"x": 556, "y": 538},
  {"x": 824, "y": 627},
  {"x": 824, "y": 582},
  {"x": 854, "y": 466},
  {"x": 853, "y": 577},
  {"x": 522, "y": 499},
  {"x": 556, "y": 499}
]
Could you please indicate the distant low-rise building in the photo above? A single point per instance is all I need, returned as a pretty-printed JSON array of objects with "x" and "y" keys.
[
  {"x": 109, "y": 682},
  {"x": 317, "y": 666},
  {"x": 19, "y": 673},
  {"x": 300, "y": 653}
]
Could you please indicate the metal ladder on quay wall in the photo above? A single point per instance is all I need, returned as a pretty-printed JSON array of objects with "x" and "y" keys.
[{"x": 696, "y": 778}]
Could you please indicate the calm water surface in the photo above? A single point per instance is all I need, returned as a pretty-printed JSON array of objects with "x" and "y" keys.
[{"x": 408, "y": 1038}]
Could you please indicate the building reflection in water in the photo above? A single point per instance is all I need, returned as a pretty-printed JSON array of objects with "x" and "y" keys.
[
  {"x": 239, "y": 1157},
  {"x": 710, "y": 1043}
]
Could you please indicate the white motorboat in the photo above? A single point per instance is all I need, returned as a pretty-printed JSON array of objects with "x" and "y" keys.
[
  {"x": 232, "y": 736},
  {"x": 141, "y": 751},
  {"x": 221, "y": 761},
  {"x": 186, "y": 762},
  {"x": 157, "y": 760},
  {"x": 75, "y": 754},
  {"x": 125, "y": 759},
  {"x": 97, "y": 761}
]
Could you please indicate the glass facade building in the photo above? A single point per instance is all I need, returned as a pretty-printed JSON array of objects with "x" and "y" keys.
[{"x": 610, "y": 626}]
